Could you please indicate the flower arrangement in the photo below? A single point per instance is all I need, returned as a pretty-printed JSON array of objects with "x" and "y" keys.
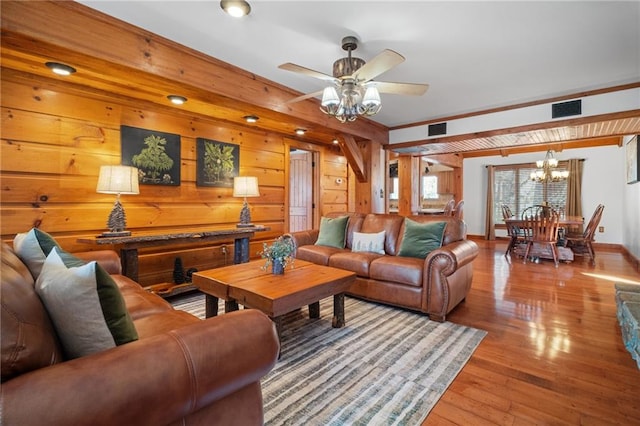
[{"x": 281, "y": 251}]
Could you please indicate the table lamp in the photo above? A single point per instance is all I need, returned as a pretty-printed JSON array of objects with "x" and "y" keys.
[
  {"x": 245, "y": 186},
  {"x": 117, "y": 180}
]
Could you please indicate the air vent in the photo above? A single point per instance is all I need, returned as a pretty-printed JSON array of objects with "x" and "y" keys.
[
  {"x": 437, "y": 129},
  {"x": 566, "y": 109}
]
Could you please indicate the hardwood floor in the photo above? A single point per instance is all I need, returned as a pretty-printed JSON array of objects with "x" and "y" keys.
[{"x": 553, "y": 353}]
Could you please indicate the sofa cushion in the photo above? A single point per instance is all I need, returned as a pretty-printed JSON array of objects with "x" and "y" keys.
[
  {"x": 371, "y": 242},
  {"x": 29, "y": 341},
  {"x": 32, "y": 248},
  {"x": 316, "y": 254},
  {"x": 420, "y": 239},
  {"x": 396, "y": 269},
  {"x": 357, "y": 262},
  {"x": 88, "y": 293},
  {"x": 333, "y": 232}
]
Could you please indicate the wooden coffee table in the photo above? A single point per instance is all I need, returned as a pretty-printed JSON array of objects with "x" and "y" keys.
[{"x": 275, "y": 295}]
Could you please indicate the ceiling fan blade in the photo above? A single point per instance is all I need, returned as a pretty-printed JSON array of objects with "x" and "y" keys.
[
  {"x": 307, "y": 71},
  {"x": 303, "y": 97},
  {"x": 412, "y": 89},
  {"x": 383, "y": 62}
]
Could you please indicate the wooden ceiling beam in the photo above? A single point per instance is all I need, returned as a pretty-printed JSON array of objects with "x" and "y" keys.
[{"x": 121, "y": 57}]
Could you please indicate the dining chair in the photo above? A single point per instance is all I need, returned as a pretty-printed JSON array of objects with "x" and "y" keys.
[
  {"x": 515, "y": 232},
  {"x": 543, "y": 231},
  {"x": 581, "y": 244},
  {"x": 540, "y": 210},
  {"x": 457, "y": 212},
  {"x": 448, "y": 209}
]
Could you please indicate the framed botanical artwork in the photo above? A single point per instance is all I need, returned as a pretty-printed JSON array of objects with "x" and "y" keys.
[
  {"x": 216, "y": 163},
  {"x": 155, "y": 154},
  {"x": 633, "y": 161}
]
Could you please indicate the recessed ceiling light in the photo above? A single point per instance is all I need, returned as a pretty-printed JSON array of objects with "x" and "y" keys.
[
  {"x": 60, "y": 69},
  {"x": 300, "y": 132},
  {"x": 251, "y": 118},
  {"x": 335, "y": 141},
  {"x": 176, "y": 99},
  {"x": 236, "y": 8}
]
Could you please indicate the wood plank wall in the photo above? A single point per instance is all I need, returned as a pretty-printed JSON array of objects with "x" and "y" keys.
[{"x": 55, "y": 136}]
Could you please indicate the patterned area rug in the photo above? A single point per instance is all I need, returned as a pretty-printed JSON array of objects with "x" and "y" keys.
[{"x": 386, "y": 366}]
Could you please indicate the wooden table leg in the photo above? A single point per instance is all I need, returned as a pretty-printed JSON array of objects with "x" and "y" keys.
[
  {"x": 211, "y": 306},
  {"x": 338, "y": 311},
  {"x": 129, "y": 262},
  {"x": 230, "y": 305},
  {"x": 241, "y": 250},
  {"x": 314, "y": 310}
]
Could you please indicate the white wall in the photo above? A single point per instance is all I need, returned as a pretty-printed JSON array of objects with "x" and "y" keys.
[
  {"x": 631, "y": 216},
  {"x": 603, "y": 181}
]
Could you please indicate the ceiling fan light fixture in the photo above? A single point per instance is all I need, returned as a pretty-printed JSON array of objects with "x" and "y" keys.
[
  {"x": 236, "y": 8},
  {"x": 330, "y": 97},
  {"x": 371, "y": 99}
]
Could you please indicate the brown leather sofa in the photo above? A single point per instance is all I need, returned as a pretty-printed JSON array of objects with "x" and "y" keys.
[
  {"x": 181, "y": 370},
  {"x": 434, "y": 285}
]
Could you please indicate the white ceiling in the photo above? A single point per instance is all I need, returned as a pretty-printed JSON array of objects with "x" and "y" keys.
[{"x": 474, "y": 55}]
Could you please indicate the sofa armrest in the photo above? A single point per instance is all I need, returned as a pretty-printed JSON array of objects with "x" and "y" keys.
[
  {"x": 304, "y": 238},
  {"x": 450, "y": 258},
  {"x": 153, "y": 381},
  {"x": 108, "y": 259}
]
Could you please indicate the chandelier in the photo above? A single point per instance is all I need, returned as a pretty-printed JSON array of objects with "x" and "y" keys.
[{"x": 545, "y": 172}]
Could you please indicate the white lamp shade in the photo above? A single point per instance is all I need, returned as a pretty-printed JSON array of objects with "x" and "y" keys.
[
  {"x": 371, "y": 97},
  {"x": 118, "y": 180},
  {"x": 245, "y": 186},
  {"x": 330, "y": 97}
]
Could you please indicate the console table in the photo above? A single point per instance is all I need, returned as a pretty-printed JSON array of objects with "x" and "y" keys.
[{"x": 129, "y": 245}]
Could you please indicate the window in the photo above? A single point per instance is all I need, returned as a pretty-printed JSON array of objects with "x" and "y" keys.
[
  {"x": 513, "y": 186},
  {"x": 394, "y": 190},
  {"x": 429, "y": 187}
]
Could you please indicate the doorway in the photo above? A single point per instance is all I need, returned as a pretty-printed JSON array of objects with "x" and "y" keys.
[{"x": 301, "y": 189}]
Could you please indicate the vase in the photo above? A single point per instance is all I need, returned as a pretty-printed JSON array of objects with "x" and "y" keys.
[{"x": 277, "y": 267}]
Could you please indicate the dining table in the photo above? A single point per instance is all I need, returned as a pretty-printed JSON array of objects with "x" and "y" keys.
[{"x": 565, "y": 254}]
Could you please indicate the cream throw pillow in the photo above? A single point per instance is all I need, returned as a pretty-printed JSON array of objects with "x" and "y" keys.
[{"x": 370, "y": 242}]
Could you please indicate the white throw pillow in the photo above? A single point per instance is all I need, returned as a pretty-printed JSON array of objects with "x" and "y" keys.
[
  {"x": 368, "y": 242},
  {"x": 32, "y": 248},
  {"x": 87, "y": 311}
]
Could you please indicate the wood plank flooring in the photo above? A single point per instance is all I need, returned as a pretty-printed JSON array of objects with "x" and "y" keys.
[{"x": 553, "y": 354}]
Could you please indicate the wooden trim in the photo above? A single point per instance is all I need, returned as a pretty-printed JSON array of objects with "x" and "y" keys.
[{"x": 521, "y": 105}]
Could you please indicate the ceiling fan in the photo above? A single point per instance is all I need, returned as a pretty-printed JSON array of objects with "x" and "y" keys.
[{"x": 353, "y": 92}]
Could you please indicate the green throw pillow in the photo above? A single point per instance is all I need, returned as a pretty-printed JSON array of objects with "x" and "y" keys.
[
  {"x": 333, "y": 232},
  {"x": 85, "y": 305},
  {"x": 32, "y": 248},
  {"x": 420, "y": 239}
]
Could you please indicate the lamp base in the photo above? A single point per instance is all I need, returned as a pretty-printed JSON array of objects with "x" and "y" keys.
[
  {"x": 245, "y": 225},
  {"x": 115, "y": 234}
]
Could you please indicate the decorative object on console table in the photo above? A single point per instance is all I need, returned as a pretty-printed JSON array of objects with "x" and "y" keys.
[
  {"x": 278, "y": 254},
  {"x": 117, "y": 180},
  {"x": 245, "y": 186}
]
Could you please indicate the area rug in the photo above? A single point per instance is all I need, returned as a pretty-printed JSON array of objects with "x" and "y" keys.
[{"x": 386, "y": 366}]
